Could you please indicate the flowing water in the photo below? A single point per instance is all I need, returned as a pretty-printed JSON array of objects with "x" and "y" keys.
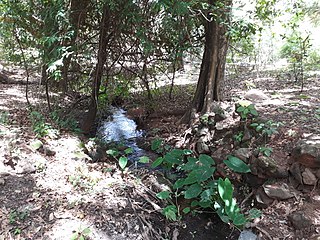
[{"x": 120, "y": 129}]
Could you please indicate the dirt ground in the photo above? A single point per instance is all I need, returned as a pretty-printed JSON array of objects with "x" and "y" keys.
[{"x": 56, "y": 192}]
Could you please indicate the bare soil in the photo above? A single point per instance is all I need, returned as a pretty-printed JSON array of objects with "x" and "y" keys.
[{"x": 58, "y": 193}]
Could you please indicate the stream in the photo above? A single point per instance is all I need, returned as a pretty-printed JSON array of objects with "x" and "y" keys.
[{"x": 119, "y": 128}]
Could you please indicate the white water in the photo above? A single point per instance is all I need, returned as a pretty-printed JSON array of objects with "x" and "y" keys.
[{"x": 118, "y": 127}]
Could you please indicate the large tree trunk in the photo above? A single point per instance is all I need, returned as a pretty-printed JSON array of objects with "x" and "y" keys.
[
  {"x": 213, "y": 63},
  {"x": 78, "y": 14},
  {"x": 96, "y": 81}
]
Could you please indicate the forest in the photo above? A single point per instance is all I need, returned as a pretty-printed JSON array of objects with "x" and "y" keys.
[{"x": 159, "y": 119}]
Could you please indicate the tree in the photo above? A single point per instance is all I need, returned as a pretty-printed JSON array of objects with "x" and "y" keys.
[{"x": 216, "y": 22}]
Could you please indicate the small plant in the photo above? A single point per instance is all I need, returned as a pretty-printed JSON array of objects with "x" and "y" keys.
[
  {"x": 238, "y": 137},
  {"x": 15, "y": 216},
  {"x": 4, "y": 118},
  {"x": 82, "y": 179},
  {"x": 122, "y": 157},
  {"x": 40, "y": 127},
  {"x": 246, "y": 109},
  {"x": 199, "y": 185},
  {"x": 266, "y": 151},
  {"x": 17, "y": 231},
  {"x": 81, "y": 234},
  {"x": 268, "y": 128},
  {"x": 68, "y": 123}
]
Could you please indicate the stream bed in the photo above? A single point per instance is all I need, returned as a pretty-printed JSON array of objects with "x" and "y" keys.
[{"x": 118, "y": 128}]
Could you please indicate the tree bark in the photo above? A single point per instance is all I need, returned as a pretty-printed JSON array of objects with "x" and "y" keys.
[
  {"x": 96, "y": 80},
  {"x": 78, "y": 14},
  {"x": 213, "y": 63}
]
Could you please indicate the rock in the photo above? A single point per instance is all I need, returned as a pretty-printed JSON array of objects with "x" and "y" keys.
[
  {"x": 253, "y": 180},
  {"x": 263, "y": 198},
  {"x": 280, "y": 191},
  {"x": 247, "y": 136},
  {"x": 308, "y": 177},
  {"x": 2, "y": 181},
  {"x": 296, "y": 172},
  {"x": 48, "y": 152},
  {"x": 267, "y": 166},
  {"x": 299, "y": 220},
  {"x": 256, "y": 95},
  {"x": 26, "y": 167},
  {"x": 36, "y": 145},
  {"x": 202, "y": 147},
  {"x": 307, "y": 152},
  {"x": 243, "y": 154},
  {"x": 247, "y": 235}
]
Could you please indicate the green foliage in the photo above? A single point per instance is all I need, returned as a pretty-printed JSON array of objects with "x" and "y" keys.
[
  {"x": 68, "y": 123},
  {"x": 81, "y": 179},
  {"x": 238, "y": 137},
  {"x": 266, "y": 151},
  {"x": 237, "y": 165},
  {"x": 40, "y": 127},
  {"x": 4, "y": 117},
  {"x": 246, "y": 109},
  {"x": 122, "y": 156},
  {"x": 268, "y": 128},
  {"x": 15, "y": 216},
  {"x": 81, "y": 234},
  {"x": 199, "y": 185}
]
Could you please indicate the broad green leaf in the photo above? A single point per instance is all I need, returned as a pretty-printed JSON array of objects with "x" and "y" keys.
[
  {"x": 128, "y": 151},
  {"x": 240, "y": 109},
  {"x": 155, "y": 145},
  {"x": 203, "y": 173},
  {"x": 123, "y": 161},
  {"x": 74, "y": 236},
  {"x": 225, "y": 189},
  {"x": 172, "y": 159},
  {"x": 178, "y": 153},
  {"x": 157, "y": 162},
  {"x": 179, "y": 183},
  {"x": 170, "y": 212},
  {"x": 199, "y": 175},
  {"x": 113, "y": 152},
  {"x": 231, "y": 208},
  {"x": 144, "y": 159},
  {"x": 237, "y": 165},
  {"x": 193, "y": 191},
  {"x": 206, "y": 160},
  {"x": 86, "y": 231},
  {"x": 194, "y": 203},
  {"x": 186, "y": 210},
  {"x": 190, "y": 165},
  {"x": 206, "y": 195},
  {"x": 163, "y": 195},
  {"x": 191, "y": 178},
  {"x": 239, "y": 220},
  {"x": 254, "y": 112},
  {"x": 222, "y": 216}
]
